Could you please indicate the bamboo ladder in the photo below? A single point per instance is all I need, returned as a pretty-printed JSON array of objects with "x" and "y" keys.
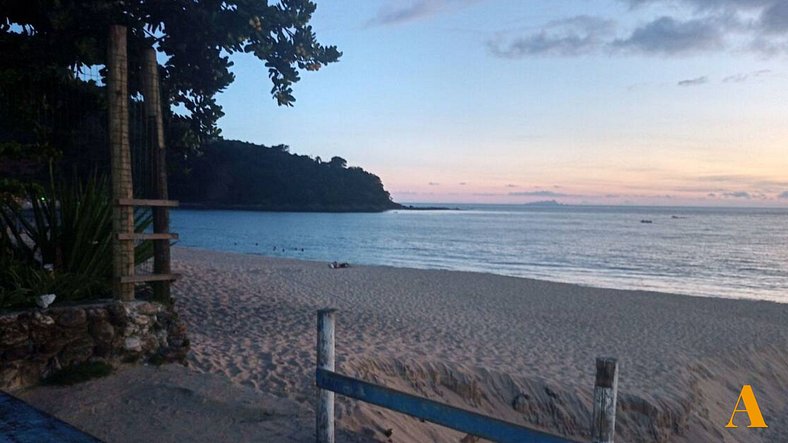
[{"x": 124, "y": 277}]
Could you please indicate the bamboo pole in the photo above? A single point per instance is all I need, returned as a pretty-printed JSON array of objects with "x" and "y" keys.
[
  {"x": 120, "y": 160},
  {"x": 161, "y": 214},
  {"x": 603, "y": 424},
  {"x": 325, "y": 360}
]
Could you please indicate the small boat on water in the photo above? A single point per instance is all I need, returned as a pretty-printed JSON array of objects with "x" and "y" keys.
[{"x": 646, "y": 221}]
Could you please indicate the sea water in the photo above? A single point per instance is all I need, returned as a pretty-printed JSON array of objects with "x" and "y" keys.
[{"x": 717, "y": 252}]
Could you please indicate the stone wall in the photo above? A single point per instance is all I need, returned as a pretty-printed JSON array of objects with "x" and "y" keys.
[{"x": 36, "y": 343}]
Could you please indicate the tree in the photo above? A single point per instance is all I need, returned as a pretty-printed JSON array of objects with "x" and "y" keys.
[
  {"x": 337, "y": 162},
  {"x": 195, "y": 39}
]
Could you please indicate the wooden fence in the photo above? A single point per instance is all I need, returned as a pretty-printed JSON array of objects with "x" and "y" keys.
[
  {"x": 330, "y": 382},
  {"x": 124, "y": 201}
]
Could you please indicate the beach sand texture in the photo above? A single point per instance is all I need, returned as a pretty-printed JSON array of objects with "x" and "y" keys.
[{"x": 518, "y": 349}]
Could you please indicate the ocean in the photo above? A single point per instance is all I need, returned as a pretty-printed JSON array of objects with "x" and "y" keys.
[{"x": 713, "y": 252}]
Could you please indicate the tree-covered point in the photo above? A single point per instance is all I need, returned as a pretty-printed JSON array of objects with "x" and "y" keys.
[{"x": 234, "y": 174}]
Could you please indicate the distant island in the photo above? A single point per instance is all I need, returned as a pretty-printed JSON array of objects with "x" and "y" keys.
[
  {"x": 544, "y": 203},
  {"x": 229, "y": 174}
]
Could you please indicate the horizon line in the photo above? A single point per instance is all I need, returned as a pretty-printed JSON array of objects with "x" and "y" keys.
[{"x": 633, "y": 205}]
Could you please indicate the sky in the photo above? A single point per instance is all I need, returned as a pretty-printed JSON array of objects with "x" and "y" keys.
[{"x": 663, "y": 102}]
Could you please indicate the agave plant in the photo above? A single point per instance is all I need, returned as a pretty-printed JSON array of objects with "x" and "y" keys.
[{"x": 69, "y": 226}]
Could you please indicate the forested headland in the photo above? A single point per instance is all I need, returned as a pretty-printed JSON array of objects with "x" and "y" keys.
[{"x": 229, "y": 174}]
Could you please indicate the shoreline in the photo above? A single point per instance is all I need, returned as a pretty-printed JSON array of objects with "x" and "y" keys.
[
  {"x": 485, "y": 273},
  {"x": 326, "y": 209},
  {"x": 518, "y": 349}
]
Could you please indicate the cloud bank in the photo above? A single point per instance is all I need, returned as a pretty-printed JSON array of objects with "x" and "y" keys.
[
  {"x": 398, "y": 12},
  {"x": 690, "y": 27},
  {"x": 694, "y": 81},
  {"x": 568, "y": 37},
  {"x": 743, "y": 77}
]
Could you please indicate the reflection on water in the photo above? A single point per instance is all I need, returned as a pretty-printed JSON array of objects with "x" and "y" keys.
[{"x": 740, "y": 253}]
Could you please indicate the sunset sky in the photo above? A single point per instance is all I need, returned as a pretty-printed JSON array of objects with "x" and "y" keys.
[{"x": 582, "y": 101}]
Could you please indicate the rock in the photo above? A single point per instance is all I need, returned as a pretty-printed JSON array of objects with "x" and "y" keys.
[
  {"x": 44, "y": 331},
  {"x": 102, "y": 350},
  {"x": 17, "y": 353},
  {"x": 44, "y": 300},
  {"x": 146, "y": 308},
  {"x": 97, "y": 314},
  {"x": 150, "y": 345},
  {"x": 72, "y": 318},
  {"x": 50, "y": 348},
  {"x": 133, "y": 344},
  {"x": 35, "y": 343},
  {"x": 9, "y": 376},
  {"x": 14, "y": 332},
  {"x": 102, "y": 331},
  {"x": 76, "y": 352},
  {"x": 118, "y": 315},
  {"x": 40, "y": 319},
  {"x": 18, "y": 374},
  {"x": 141, "y": 320}
]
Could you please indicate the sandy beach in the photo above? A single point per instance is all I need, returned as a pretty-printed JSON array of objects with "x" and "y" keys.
[{"x": 519, "y": 349}]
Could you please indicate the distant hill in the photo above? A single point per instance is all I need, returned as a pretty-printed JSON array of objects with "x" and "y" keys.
[
  {"x": 544, "y": 204},
  {"x": 231, "y": 174}
]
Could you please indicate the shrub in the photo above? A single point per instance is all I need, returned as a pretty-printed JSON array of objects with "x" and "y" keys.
[
  {"x": 79, "y": 373},
  {"x": 69, "y": 226}
]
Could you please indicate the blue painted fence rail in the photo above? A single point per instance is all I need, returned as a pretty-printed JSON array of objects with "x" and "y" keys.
[
  {"x": 330, "y": 382},
  {"x": 22, "y": 423},
  {"x": 432, "y": 411}
]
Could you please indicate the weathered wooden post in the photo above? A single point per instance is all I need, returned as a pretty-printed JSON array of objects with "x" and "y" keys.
[
  {"x": 161, "y": 214},
  {"x": 120, "y": 159},
  {"x": 325, "y": 360},
  {"x": 603, "y": 424}
]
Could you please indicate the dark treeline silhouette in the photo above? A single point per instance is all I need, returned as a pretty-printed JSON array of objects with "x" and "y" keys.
[
  {"x": 238, "y": 175},
  {"x": 53, "y": 73}
]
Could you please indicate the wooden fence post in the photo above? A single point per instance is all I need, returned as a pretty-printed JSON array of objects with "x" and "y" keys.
[
  {"x": 325, "y": 360},
  {"x": 161, "y": 214},
  {"x": 120, "y": 159},
  {"x": 603, "y": 424}
]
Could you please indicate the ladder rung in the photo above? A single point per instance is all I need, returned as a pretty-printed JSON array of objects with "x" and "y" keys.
[
  {"x": 149, "y": 236},
  {"x": 149, "y": 277},
  {"x": 146, "y": 202}
]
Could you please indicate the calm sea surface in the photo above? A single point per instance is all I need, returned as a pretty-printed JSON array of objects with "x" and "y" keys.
[{"x": 740, "y": 253}]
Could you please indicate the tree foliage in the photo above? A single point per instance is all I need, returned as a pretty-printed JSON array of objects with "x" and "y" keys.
[
  {"x": 44, "y": 39},
  {"x": 233, "y": 174}
]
